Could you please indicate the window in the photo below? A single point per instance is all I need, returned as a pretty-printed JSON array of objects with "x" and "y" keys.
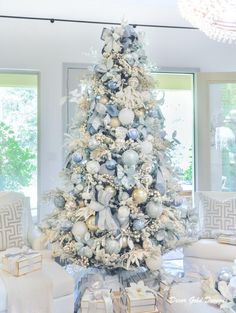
[
  {"x": 176, "y": 92},
  {"x": 19, "y": 134}
]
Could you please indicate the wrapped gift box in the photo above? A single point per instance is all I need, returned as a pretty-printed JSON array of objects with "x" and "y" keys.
[
  {"x": 140, "y": 298},
  {"x": 98, "y": 305},
  {"x": 19, "y": 262}
]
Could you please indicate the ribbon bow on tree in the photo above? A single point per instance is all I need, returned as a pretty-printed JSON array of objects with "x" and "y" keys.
[
  {"x": 112, "y": 39},
  {"x": 139, "y": 290},
  {"x": 105, "y": 218}
]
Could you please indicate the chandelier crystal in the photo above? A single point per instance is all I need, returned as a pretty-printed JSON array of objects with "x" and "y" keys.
[{"x": 216, "y": 18}]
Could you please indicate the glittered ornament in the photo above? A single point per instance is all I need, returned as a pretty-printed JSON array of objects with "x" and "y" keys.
[
  {"x": 93, "y": 167},
  {"x": 77, "y": 157},
  {"x": 103, "y": 100},
  {"x": 139, "y": 195},
  {"x": 115, "y": 122},
  {"x": 133, "y": 134},
  {"x": 90, "y": 222},
  {"x": 111, "y": 164},
  {"x": 66, "y": 225},
  {"x": 138, "y": 224},
  {"x": 112, "y": 110},
  {"x": 225, "y": 275},
  {"x": 126, "y": 117},
  {"x": 112, "y": 246},
  {"x": 130, "y": 157},
  {"x": 79, "y": 229},
  {"x": 59, "y": 201},
  {"x": 154, "y": 209}
]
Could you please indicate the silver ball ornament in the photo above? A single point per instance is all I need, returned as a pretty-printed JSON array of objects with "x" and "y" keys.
[
  {"x": 77, "y": 157},
  {"x": 126, "y": 117},
  {"x": 112, "y": 246},
  {"x": 130, "y": 157},
  {"x": 133, "y": 134},
  {"x": 66, "y": 225},
  {"x": 111, "y": 164},
  {"x": 138, "y": 224},
  {"x": 154, "y": 209}
]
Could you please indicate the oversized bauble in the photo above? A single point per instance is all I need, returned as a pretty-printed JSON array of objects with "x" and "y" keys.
[
  {"x": 112, "y": 110},
  {"x": 115, "y": 122},
  {"x": 93, "y": 143},
  {"x": 139, "y": 195},
  {"x": 91, "y": 224},
  {"x": 79, "y": 229},
  {"x": 111, "y": 164},
  {"x": 138, "y": 224},
  {"x": 59, "y": 201},
  {"x": 123, "y": 211},
  {"x": 130, "y": 157},
  {"x": 103, "y": 100},
  {"x": 154, "y": 262},
  {"x": 66, "y": 225},
  {"x": 111, "y": 190},
  {"x": 133, "y": 134},
  {"x": 146, "y": 147},
  {"x": 154, "y": 209},
  {"x": 112, "y": 246},
  {"x": 225, "y": 275},
  {"x": 133, "y": 82},
  {"x": 77, "y": 157},
  {"x": 126, "y": 117},
  {"x": 93, "y": 167}
]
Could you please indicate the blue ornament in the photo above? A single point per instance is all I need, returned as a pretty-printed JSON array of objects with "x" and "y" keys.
[
  {"x": 110, "y": 164},
  {"x": 112, "y": 110},
  {"x": 92, "y": 130},
  {"x": 59, "y": 201},
  {"x": 77, "y": 157},
  {"x": 133, "y": 134},
  {"x": 138, "y": 224},
  {"x": 112, "y": 85},
  {"x": 66, "y": 225}
]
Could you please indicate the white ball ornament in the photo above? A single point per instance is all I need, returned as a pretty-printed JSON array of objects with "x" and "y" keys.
[
  {"x": 123, "y": 211},
  {"x": 112, "y": 246},
  {"x": 79, "y": 229},
  {"x": 130, "y": 157},
  {"x": 154, "y": 209},
  {"x": 146, "y": 147},
  {"x": 93, "y": 167},
  {"x": 126, "y": 117},
  {"x": 93, "y": 143}
]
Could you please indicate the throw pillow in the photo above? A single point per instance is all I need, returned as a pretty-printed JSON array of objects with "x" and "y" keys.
[
  {"x": 217, "y": 217},
  {"x": 11, "y": 234}
]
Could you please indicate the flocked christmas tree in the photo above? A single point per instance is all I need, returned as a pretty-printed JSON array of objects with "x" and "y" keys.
[{"x": 120, "y": 205}]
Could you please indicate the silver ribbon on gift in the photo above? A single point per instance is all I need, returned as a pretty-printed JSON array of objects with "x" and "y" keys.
[{"x": 105, "y": 218}]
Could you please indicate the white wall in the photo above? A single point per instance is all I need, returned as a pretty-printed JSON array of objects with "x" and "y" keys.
[{"x": 44, "y": 47}]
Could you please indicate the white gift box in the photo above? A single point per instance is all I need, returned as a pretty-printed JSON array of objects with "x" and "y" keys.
[
  {"x": 140, "y": 299},
  {"x": 19, "y": 262}
]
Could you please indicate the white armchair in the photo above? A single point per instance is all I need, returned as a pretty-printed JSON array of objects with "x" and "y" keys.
[
  {"x": 209, "y": 253},
  {"x": 62, "y": 282}
]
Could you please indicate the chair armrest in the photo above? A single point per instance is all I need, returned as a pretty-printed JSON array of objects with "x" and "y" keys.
[{"x": 37, "y": 239}]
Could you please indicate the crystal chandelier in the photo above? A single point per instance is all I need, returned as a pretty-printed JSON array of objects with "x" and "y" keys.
[{"x": 216, "y": 18}]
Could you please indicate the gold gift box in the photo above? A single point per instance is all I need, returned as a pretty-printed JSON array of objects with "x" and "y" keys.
[{"x": 22, "y": 265}]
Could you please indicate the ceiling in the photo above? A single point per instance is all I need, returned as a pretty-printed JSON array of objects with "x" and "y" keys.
[{"x": 136, "y": 11}]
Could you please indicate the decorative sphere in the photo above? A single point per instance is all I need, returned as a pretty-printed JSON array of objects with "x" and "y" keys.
[
  {"x": 133, "y": 82},
  {"x": 111, "y": 190},
  {"x": 225, "y": 275},
  {"x": 146, "y": 147},
  {"x": 138, "y": 224},
  {"x": 77, "y": 157},
  {"x": 112, "y": 246},
  {"x": 154, "y": 209},
  {"x": 126, "y": 117},
  {"x": 93, "y": 167},
  {"x": 103, "y": 100},
  {"x": 66, "y": 225},
  {"x": 133, "y": 134},
  {"x": 93, "y": 143},
  {"x": 79, "y": 229},
  {"x": 115, "y": 122},
  {"x": 87, "y": 252},
  {"x": 139, "y": 195},
  {"x": 130, "y": 157},
  {"x": 112, "y": 85},
  {"x": 59, "y": 202},
  {"x": 110, "y": 164},
  {"x": 123, "y": 212},
  {"x": 91, "y": 224}
]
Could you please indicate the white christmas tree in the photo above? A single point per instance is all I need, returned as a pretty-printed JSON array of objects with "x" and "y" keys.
[{"x": 120, "y": 205}]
